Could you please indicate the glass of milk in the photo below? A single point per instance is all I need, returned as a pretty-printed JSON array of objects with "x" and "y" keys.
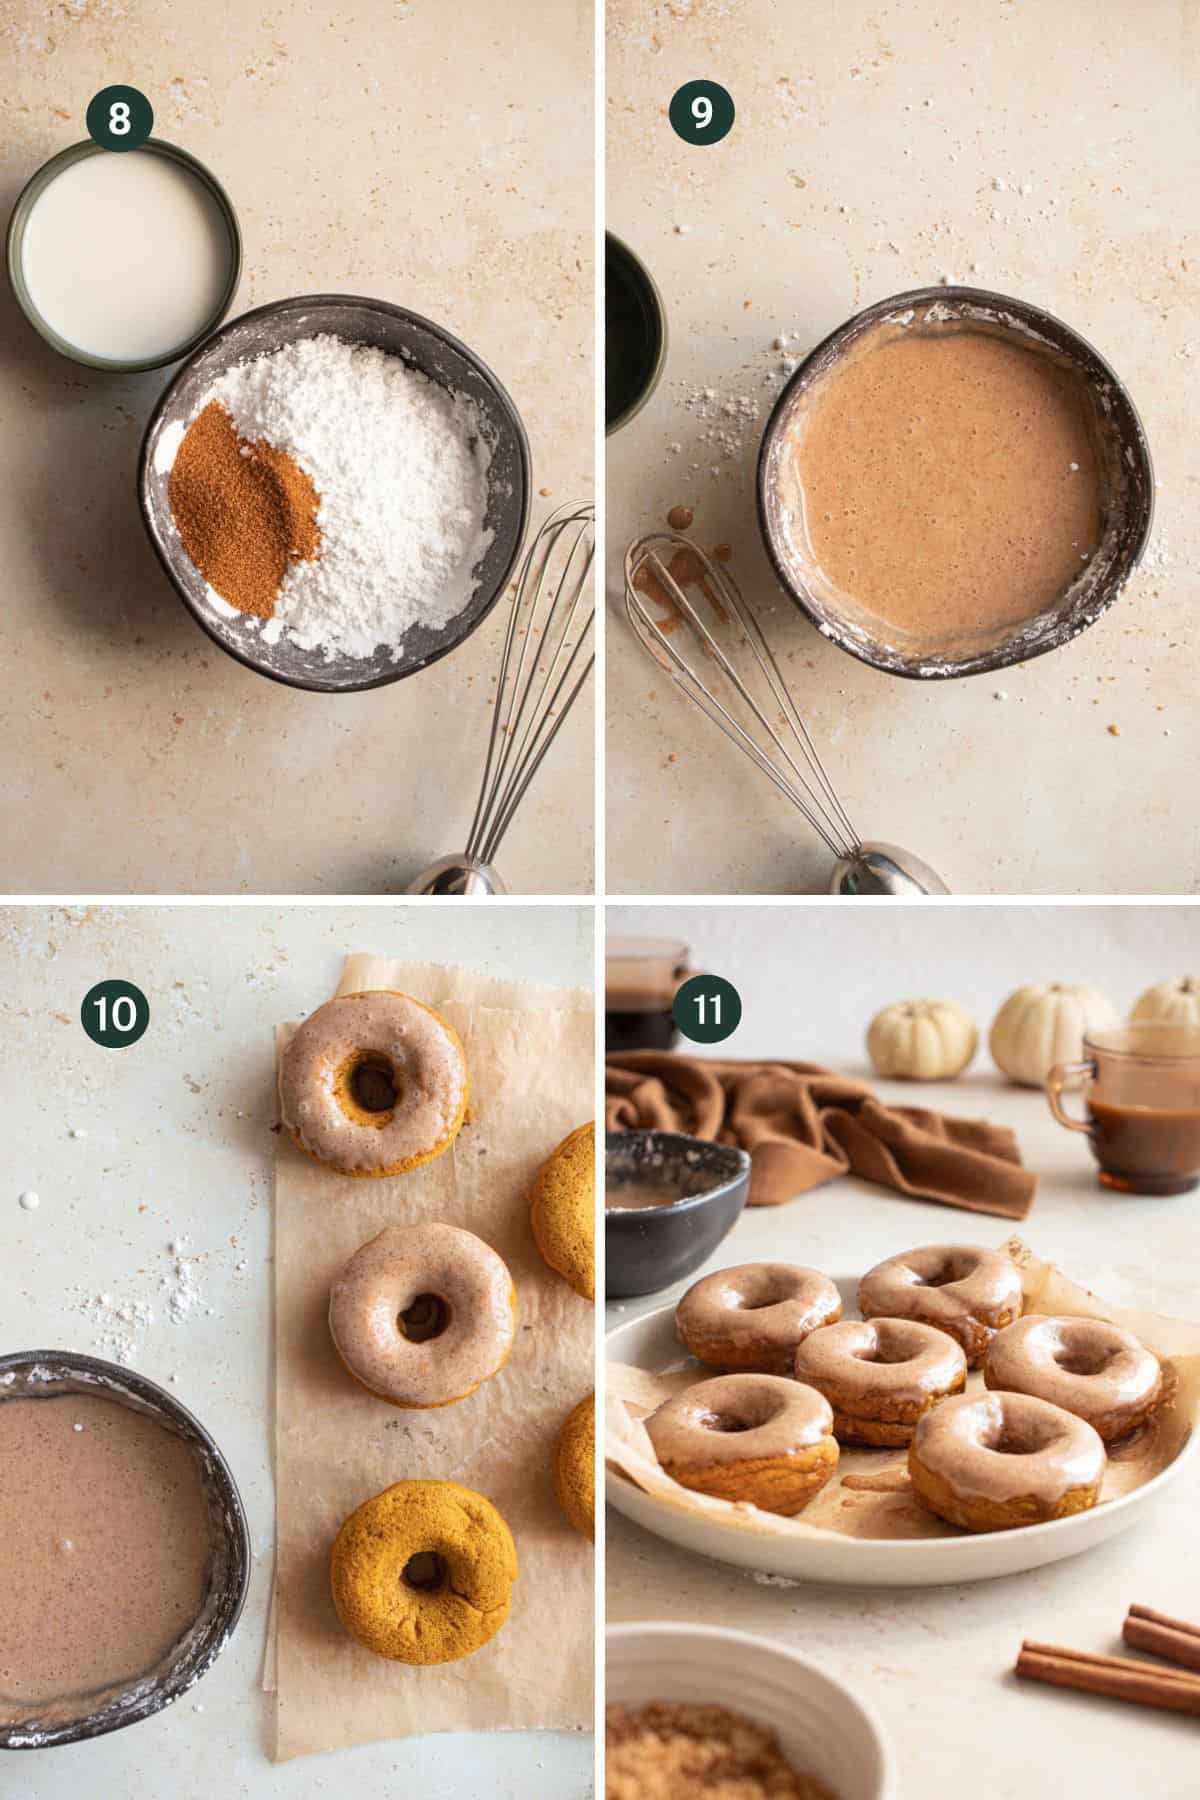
[{"x": 124, "y": 260}]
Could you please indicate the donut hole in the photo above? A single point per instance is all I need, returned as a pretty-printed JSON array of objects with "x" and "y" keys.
[
  {"x": 759, "y": 1302},
  {"x": 955, "y": 1268},
  {"x": 372, "y": 1083},
  {"x": 425, "y": 1571},
  {"x": 714, "y": 1421},
  {"x": 1011, "y": 1438},
  {"x": 426, "y": 1318},
  {"x": 887, "y": 1351},
  {"x": 1084, "y": 1359}
]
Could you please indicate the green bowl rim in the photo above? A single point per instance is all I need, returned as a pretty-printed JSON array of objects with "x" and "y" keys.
[
  {"x": 635, "y": 406},
  {"x": 41, "y": 179}
]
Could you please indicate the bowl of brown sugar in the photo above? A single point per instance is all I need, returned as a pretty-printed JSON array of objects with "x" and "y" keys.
[
  {"x": 952, "y": 482},
  {"x": 698, "y": 1709}
]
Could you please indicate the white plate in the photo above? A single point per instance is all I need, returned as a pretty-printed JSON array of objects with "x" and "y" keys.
[
  {"x": 822, "y": 1727},
  {"x": 650, "y": 1343}
]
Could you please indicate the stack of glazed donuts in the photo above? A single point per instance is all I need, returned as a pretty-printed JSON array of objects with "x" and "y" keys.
[
  {"x": 424, "y": 1314},
  {"x": 798, "y": 1381}
]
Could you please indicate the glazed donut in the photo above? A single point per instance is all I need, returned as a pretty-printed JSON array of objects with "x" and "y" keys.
[
  {"x": 562, "y": 1209},
  {"x": 753, "y": 1316},
  {"x": 880, "y": 1375},
  {"x": 410, "y": 1052},
  {"x": 990, "y": 1461},
  {"x": 967, "y": 1291},
  {"x": 423, "y": 1314},
  {"x": 756, "y": 1438},
  {"x": 575, "y": 1467},
  {"x": 424, "y": 1572},
  {"x": 1090, "y": 1368}
]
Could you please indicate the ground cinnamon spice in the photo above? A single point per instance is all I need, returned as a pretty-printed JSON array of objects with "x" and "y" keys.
[{"x": 243, "y": 511}]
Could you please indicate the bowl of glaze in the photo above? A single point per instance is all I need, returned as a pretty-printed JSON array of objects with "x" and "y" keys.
[
  {"x": 647, "y": 1248},
  {"x": 225, "y": 221},
  {"x": 1127, "y": 489},
  {"x": 424, "y": 346},
  {"x": 823, "y": 1728},
  {"x": 27, "y": 1373}
]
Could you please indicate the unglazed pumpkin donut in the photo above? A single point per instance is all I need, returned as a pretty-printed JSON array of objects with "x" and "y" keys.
[
  {"x": 575, "y": 1467},
  {"x": 759, "y": 1439},
  {"x": 407, "y": 1049},
  {"x": 880, "y": 1375},
  {"x": 991, "y": 1461},
  {"x": 423, "y": 1314},
  {"x": 753, "y": 1316},
  {"x": 424, "y": 1572},
  {"x": 1090, "y": 1368},
  {"x": 963, "y": 1289},
  {"x": 562, "y": 1209}
]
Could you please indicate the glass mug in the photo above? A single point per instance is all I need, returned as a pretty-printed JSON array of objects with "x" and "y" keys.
[
  {"x": 641, "y": 978},
  {"x": 1141, "y": 1087}
]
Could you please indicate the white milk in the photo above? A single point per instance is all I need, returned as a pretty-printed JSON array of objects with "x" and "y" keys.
[{"x": 126, "y": 255}]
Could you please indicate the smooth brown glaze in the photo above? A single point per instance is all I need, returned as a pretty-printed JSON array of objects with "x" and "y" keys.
[
  {"x": 753, "y": 1316},
  {"x": 1090, "y": 1368},
  {"x": 963, "y": 1289},
  {"x": 991, "y": 1461},
  {"x": 880, "y": 1375},
  {"x": 760, "y": 1439},
  {"x": 422, "y": 1314}
]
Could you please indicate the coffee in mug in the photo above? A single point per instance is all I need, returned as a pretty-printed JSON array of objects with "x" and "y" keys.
[
  {"x": 641, "y": 977},
  {"x": 1141, "y": 1089}
]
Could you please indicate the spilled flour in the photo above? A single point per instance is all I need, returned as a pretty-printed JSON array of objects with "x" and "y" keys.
[{"x": 119, "y": 1321}]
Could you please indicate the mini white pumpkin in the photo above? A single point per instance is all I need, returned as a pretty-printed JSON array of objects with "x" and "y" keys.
[
  {"x": 1040, "y": 1026},
  {"x": 1171, "y": 1002},
  {"x": 922, "y": 1040}
]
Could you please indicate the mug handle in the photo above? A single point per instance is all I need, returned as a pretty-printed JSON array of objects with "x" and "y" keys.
[{"x": 1058, "y": 1078}]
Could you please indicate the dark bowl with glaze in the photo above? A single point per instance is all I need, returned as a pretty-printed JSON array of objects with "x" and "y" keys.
[
  {"x": 28, "y": 1374},
  {"x": 648, "y": 1248},
  {"x": 1128, "y": 518},
  {"x": 423, "y": 345}
]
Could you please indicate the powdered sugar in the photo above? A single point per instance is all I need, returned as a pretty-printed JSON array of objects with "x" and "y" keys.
[
  {"x": 119, "y": 1321},
  {"x": 400, "y": 466},
  {"x": 116, "y": 1323},
  {"x": 181, "y": 1286}
]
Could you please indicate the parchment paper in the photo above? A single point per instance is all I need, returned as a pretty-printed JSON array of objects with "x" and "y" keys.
[
  {"x": 889, "y": 1510},
  {"x": 530, "y": 1060}
]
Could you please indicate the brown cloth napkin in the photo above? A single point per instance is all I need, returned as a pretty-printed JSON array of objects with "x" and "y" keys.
[{"x": 803, "y": 1125}]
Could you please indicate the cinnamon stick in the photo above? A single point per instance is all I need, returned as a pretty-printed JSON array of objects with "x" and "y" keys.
[
  {"x": 1112, "y": 1677},
  {"x": 1092, "y": 1659},
  {"x": 1175, "y": 1639},
  {"x": 1161, "y": 1618}
]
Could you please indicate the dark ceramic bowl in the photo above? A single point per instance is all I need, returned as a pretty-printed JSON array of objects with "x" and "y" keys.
[
  {"x": 635, "y": 334},
  {"x": 30, "y": 1373},
  {"x": 648, "y": 1248},
  {"x": 1129, "y": 509},
  {"x": 424, "y": 346}
]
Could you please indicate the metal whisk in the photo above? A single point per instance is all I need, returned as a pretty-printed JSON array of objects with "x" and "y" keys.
[
  {"x": 764, "y": 722},
  {"x": 542, "y": 669}
]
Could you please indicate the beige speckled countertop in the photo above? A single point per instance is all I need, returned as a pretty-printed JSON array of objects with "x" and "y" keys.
[
  {"x": 1038, "y": 147},
  {"x": 435, "y": 156}
]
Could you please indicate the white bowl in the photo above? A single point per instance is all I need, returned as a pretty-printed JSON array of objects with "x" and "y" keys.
[{"x": 821, "y": 1726}]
